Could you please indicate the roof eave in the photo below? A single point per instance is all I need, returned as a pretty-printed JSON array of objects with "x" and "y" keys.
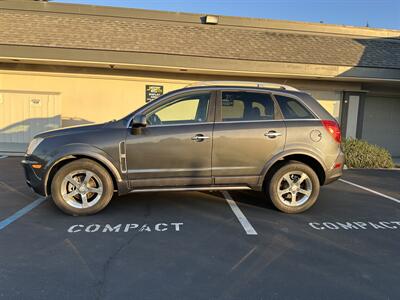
[{"x": 191, "y": 64}]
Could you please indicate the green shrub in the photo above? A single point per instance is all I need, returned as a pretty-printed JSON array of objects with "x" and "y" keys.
[{"x": 361, "y": 154}]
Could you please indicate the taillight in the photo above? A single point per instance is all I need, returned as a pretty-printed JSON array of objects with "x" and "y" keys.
[{"x": 333, "y": 128}]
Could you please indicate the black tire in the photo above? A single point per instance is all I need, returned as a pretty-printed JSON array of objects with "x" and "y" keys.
[
  {"x": 272, "y": 188},
  {"x": 101, "y": 175}
]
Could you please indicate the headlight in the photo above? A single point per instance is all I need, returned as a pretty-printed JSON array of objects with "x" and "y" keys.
[{"x": 33, "y": 145}]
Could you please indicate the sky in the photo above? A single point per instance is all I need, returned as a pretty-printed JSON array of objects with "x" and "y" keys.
[{"x": 375, "y": 13}]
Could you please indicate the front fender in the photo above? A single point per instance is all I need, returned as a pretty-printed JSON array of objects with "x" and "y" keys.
[{"x": 79, "y": 149}]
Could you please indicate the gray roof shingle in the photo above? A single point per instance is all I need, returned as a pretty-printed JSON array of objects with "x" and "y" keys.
[{"x": 62, "y": 30}]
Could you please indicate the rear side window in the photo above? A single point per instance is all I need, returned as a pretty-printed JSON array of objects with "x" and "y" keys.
[
  {"x": 292, "y": 109},
  {"x": 246, "y": 106}
]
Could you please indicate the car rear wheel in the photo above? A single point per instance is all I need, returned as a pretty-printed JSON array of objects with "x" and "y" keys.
[
  {"x": 294, "y": 188},
  {"x": 82, "y": 187}
]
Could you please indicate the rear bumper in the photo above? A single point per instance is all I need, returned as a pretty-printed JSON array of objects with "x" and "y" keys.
[
  {"x": 32, "y": 179},
  {"x": 335, "y": 172}
]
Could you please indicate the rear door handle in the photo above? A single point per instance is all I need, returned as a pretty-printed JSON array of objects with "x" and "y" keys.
[
  {"x": 199, "y": 138},
  {"x": 272, "y": 134}
]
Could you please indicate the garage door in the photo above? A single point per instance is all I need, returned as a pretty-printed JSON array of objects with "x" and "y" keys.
[
  {"x": 25, "y": 114},
  {"x": 381, "y": 124}
]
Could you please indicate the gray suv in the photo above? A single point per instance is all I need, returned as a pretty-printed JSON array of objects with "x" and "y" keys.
[{"x": 209, "y": 136}]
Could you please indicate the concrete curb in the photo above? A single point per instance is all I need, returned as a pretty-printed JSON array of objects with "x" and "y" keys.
[{"x": 384, "y": 169}]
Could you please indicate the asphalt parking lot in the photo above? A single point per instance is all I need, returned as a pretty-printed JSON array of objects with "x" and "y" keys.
[{"x": 193, "y": 245}]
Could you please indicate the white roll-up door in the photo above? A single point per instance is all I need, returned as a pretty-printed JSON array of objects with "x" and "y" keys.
[{"x": 25, "y": 114}]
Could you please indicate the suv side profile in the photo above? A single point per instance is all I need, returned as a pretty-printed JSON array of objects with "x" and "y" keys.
[{"x": 209, "y": 136}]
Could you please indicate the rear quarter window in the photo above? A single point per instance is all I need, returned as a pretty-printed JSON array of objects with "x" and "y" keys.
[{"x": 293, "y": 109}]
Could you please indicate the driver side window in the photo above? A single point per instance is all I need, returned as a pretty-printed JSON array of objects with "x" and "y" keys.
[{"x": 189, "y": 109}]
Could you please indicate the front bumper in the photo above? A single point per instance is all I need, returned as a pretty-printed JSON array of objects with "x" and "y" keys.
[
  {"x": 335, "y": 173},
  {"x": 33, "y": 179}
]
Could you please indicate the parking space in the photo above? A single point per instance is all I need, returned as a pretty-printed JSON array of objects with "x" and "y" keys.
[
  {"x": 193, "y": 245},
  {"x": 383, "y": 181}
]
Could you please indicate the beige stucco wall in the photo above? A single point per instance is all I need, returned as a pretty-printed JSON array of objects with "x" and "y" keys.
[
  {"x": 89, "y": 98},
  {"x": 330, "y": 100}
]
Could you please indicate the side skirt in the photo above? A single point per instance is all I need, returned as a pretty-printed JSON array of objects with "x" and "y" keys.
[{"x": 198, "y": 188}]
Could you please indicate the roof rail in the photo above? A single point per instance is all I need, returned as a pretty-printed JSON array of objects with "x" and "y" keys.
[{"x": 244, "y": 83}]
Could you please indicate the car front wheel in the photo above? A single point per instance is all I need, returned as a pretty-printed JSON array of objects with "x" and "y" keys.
[
  {"x": 294, "y": 187},
  {"x": 82, "y": 187}
]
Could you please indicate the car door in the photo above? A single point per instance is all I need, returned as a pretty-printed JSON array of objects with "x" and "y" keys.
[
  {"x": 174, "y": 149},
  {"x": 248, "y": 131}
]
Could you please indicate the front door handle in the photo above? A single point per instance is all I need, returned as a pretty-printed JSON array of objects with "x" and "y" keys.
[
  {"x": 199, "y": 138},
  {"x": 272, "y": 134}
]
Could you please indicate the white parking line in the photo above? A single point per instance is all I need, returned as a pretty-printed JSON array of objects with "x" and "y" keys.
[
  {"x": 241, "y": 217},
  {"x": 371, "y": 191}
]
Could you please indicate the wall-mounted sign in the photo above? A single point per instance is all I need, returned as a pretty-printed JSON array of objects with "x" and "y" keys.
[
  {"x": 153, "y": 92},
  {"x": 227, "y": 102},
  {"x": 36, "y": 102}
]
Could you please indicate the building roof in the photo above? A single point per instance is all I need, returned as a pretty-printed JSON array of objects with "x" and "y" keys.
[{"x": 130, "y": 31}]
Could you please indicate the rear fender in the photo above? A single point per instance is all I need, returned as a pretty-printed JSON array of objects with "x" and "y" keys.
[{"x": 281, "y": 156}]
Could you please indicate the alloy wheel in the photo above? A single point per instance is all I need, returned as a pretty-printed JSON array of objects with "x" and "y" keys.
[
  {"x": 294, "y": 188},
  {"x": 81, "y": 189}
]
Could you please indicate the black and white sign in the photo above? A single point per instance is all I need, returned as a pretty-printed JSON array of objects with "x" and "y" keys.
[{"x": 153, "y": 92}]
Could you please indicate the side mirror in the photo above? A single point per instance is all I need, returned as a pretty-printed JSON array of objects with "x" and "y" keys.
[{"x": 138, "y": 122}]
